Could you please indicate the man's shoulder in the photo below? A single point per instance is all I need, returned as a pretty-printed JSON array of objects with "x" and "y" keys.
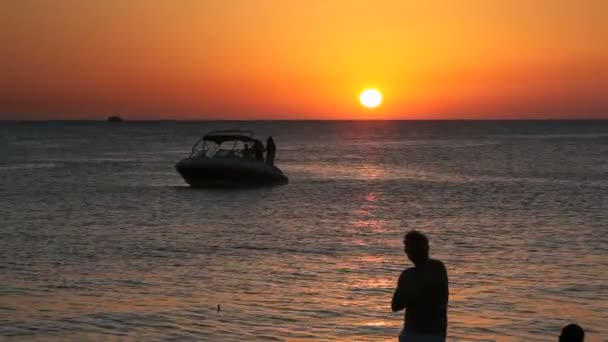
[
  {"x": 406, "y": 272},
  {"x": 438, "y": 268},
  {"x": 436, "y": 263}
]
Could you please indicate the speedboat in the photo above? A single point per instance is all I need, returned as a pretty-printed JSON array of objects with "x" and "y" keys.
[{"x": 229, "y": 158}]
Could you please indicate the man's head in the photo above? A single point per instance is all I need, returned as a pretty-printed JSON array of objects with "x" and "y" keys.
[
  {"x": 572, "y": 333},
  {"x": 416, "y": 247}
]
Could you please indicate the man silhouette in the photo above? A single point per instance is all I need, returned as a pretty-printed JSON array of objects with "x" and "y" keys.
[
  {"x": 247, "y": 151},
  {"x": 423, "y": 292},
  {"x": 258, "y": 150},
  {"x": 271, "y": 150}
]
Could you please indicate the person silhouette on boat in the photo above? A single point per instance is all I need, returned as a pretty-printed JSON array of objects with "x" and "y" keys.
[
  {"x": 271, "y": 150},
  {"x": 247, "y": 151},
  {"x": 258, "y": 150},
  {"x": 423, "y": 292}
]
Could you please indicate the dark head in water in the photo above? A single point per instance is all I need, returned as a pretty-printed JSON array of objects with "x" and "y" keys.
[
  {"x": 572, "y": 333},
  {"x": 416, "y": 246}
]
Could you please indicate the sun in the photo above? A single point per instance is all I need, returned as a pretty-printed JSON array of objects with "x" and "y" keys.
[{"x": 370, "y": 98}]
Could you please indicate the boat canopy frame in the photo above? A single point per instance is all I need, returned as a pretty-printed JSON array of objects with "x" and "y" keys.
[{"x": 221, "y": 136}]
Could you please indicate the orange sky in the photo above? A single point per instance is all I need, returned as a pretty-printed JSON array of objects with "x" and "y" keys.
[{"x": 295, "y": 59}]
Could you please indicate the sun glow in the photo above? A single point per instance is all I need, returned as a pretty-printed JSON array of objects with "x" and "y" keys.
[{"x": 370, "y": 98}]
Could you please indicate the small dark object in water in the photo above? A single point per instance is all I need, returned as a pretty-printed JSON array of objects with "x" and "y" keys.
[
  {"x": 572, "y": 333},
  {"x": 114, "y": 118},
  {"x": 218, "y": 307}
]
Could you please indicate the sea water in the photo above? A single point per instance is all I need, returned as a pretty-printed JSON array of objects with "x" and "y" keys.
[{"x": 101, "y": 239}]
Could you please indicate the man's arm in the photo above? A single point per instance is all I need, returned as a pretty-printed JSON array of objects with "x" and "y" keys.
[
  {"x": 408, "y": 288},
  {"x": 397, "y": 303}
]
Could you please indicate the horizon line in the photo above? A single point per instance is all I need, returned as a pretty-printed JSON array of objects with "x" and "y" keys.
[{"x": 124, "y": 120}]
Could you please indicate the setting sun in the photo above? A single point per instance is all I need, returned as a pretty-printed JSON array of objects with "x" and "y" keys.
[{"x": 370, "y": 98}]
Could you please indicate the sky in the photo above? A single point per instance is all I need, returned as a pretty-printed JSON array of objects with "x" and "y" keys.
[{"x": 303, "y": 59}]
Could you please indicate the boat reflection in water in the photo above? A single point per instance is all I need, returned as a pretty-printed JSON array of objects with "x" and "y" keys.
[{"x": 230, "y": 158}]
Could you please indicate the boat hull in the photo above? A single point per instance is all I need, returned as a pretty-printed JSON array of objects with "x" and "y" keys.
[{"x": 229, "y": 172}]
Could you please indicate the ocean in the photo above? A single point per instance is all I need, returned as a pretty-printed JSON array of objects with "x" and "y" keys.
[{"x": 101, "y": 239}]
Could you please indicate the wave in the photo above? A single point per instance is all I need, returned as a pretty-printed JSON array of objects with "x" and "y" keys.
[{"x": 26, "y": 166}]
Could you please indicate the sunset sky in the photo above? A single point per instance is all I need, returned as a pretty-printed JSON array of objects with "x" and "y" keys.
[{"x": 293, "y": 59}]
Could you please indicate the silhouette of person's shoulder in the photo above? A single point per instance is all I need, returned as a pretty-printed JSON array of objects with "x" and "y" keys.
[
  {"x": 437, "y": 269},
  {"x": 433, "y": 268},
  {"x": 406, "y": 273},
  {"x": 436, "y": 264}
]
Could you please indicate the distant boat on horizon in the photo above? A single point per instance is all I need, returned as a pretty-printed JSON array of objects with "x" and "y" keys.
[{"x": 114, "y": 118}]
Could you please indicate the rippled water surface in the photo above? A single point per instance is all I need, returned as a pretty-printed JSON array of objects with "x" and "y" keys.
[{"x": 101, "y": 238}]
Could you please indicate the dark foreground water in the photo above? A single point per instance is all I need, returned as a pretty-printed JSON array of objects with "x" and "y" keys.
[{"x": 101, "y": 239}]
